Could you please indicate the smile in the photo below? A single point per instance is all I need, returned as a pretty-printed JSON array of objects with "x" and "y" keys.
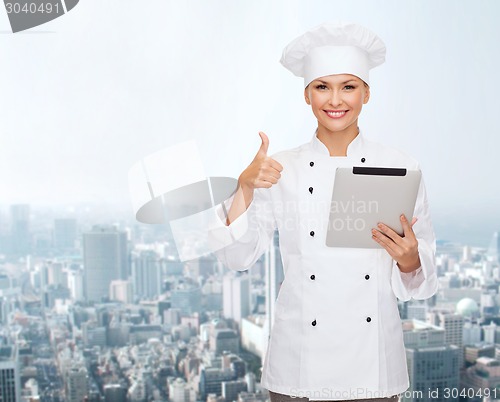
[{"x": 335, "y": 114}]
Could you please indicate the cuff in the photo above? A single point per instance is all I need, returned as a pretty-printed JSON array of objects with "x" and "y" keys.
[
  {"x": 221, "y": 235},
  {"x": 419, "y": 284}
]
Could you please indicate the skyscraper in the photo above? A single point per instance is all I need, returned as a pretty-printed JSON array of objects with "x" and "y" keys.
[
  {"x": 104, "y": 260},
  {"x": 187, "y": 298},
  {"x": 236, "y": 295},
  {"x": 146, "y": 274},
  {"x": 75, "y": 283},
  {"x": 432, "y": 364},
  {"x": 494, "y": 249},
  {"x": 76, "y": 384},
  {"x": 20, "y": 229},
  {"x": 10, "y": 385},
  {"x": 56, "y": 275},
  {"x": 453, "y": 325}
]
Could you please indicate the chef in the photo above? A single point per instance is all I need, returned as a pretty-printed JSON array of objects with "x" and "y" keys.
[{"x": 337, "y": 332}]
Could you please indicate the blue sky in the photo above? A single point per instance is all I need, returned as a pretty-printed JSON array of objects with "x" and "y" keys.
[{"x": 87, "y": 95}]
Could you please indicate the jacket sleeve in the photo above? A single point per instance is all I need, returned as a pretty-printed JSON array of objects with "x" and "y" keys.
[
  {"x": 422, "y": 283},
  {"x": 239, "y": 245}
]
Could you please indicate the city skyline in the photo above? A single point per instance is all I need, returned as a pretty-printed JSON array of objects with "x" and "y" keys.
[
  {"x": 472, "y": 229},
  {"x": 161, "y": 300}
]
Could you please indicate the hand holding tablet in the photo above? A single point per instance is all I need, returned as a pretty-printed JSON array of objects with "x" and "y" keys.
[{"x": 402, "y": 249}]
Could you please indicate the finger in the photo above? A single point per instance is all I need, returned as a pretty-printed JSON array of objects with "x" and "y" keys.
[
  {"x": 395, "y": 237},
  {"x": 264, "y": 145},
  {"x": 275, "y": 164},
  {"x": 270, "y": 172},
  {"x": 408, "y": 231},
  {"x": 269, "y": 178},
  {"x": 385, "y": 242},
  {"x": 413, "y": 221}
]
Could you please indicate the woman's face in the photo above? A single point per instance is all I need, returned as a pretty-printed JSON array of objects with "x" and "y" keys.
[{"x": 336, "y": 101}]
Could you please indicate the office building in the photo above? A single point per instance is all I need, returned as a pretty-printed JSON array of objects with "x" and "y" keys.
[
  {"x": 482, "y": 376},
  {"x": 211, "y": 379},
  {"x": 75, "y": 284},
  {"x": 432, "y": 364},
  {"x": 104, "y": 260},
  {"x": 453, "y": 324},
  {"x": 494, "y": 249},
  {"x": 146, "y": 274},
  {"x": 416, "y": 310},
  {"x": 115, "y": 393},
  {"x": 20, "y": 229},
  {"x": 10, "y": 386},
  {"x": 231, "y": 389},
  {"x": 178, "y": 390},
  {"x": 122, "y": 291},
  {"x": 472, "y": 333},
  {"x": 236, "y": 295},
  {"x": 254, "y": 334},
  {"x": 473, "y": 352},
  {"x": 93, "y": 335},
  {"x": 76, "y": 384},
  {"x": 187, "y": 298},
  {"x": 56, "y": 275},
  {"x": 224, "y": 339}
]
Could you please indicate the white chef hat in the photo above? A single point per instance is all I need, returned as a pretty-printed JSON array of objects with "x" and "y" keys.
[{"x": 334, "y": 48}]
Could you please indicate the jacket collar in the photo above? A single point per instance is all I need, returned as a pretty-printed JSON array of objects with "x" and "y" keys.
[{"x": 354, "y": 148}]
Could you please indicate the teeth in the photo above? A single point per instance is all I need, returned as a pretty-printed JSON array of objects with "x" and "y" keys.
[{"x": 335, "y": 114}]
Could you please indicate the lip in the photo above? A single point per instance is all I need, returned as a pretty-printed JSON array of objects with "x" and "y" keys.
[{"x": 335, "y": 114}]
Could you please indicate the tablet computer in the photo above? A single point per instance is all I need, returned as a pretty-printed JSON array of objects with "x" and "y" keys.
[{"x": 364, "y": 196}]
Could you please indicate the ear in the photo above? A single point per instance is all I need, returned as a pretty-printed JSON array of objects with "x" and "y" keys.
[
  {"x": 306, "y": 95},
  {"x": 367, "y": 94}
]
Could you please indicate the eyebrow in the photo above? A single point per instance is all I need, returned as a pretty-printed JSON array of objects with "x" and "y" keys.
[{"x": 345, "y": 82}]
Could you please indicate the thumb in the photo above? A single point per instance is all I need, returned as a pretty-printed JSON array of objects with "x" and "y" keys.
[{"x": 265, "y": 144}]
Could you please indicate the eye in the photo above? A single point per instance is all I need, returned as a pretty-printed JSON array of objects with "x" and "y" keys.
[
  {"x": 321, "y": 86},
  {"x": 349, "y": 87}
]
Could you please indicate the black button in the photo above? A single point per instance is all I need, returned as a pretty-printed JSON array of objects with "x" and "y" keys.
[
  {"x": 311, "y": 164},
  {"x": 367, "y": 277},
  {"x": 363, "y": 160},
  {"x": 368, "y": 319},
  {"x": 311, "y": 190},
  {"x": 312, "y": 277},
  {"x": 311, "y": 232},
  {"x": 313, "y": 323}
]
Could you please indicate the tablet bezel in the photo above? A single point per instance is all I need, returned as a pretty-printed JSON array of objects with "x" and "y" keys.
[{"x": 364, "y": 196}]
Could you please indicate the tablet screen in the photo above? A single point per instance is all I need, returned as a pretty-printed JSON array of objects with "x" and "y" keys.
[{"x": 364, "y": 196}]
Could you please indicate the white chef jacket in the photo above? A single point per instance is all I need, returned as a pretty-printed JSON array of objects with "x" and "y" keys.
[{"x": 337, "y": 332}]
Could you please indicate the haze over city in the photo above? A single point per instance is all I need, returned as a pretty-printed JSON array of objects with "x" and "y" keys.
[{"x": 88, "y": 95}]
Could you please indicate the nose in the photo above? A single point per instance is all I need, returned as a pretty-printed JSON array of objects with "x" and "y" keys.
[{"x": 335, "y": 98}]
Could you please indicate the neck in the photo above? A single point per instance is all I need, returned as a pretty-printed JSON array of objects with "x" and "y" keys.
[{"x": 337, "y": 141}]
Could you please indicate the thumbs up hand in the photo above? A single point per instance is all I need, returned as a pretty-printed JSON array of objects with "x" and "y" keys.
[{"x": 264, "y": 171}]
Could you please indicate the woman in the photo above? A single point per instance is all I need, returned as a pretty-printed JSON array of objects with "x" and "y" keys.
[{"x": 337, "y": 332}]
